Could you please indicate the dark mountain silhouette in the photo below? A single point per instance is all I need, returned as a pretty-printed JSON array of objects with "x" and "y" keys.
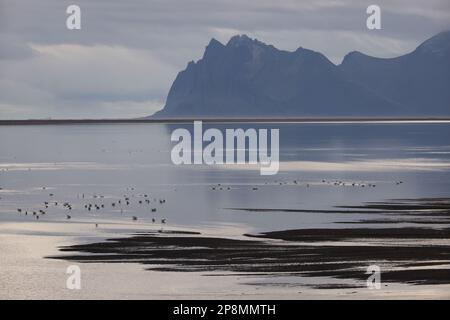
[
  {"x": 419, "y": 81},
  {"x": 246, "y": 77}
]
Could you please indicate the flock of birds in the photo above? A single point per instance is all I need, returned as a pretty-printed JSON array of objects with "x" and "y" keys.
[
  {"x": 97, "y": 204},
  {"x": 297, "y": 182}
]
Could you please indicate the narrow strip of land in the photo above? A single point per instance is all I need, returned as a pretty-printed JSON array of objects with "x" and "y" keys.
[{"x": 224, "y": 120}]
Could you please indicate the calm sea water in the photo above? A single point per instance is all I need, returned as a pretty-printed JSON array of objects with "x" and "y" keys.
[{"x": 101, "y": 164}]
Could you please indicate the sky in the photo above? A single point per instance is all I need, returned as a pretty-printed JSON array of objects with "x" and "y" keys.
[{"x": 123, "y": 60}]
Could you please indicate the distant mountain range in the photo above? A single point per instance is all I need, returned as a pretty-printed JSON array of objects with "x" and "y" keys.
[{"x": 248, "y": 78}]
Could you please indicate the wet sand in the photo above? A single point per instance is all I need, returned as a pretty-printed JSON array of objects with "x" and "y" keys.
[
  {"x": 411, "y": 211},
  {"x": 412, "y": 255},
  {"x": 26, "y": 275}
]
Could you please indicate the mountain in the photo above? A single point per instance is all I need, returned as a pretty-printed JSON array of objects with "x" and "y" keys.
[
  {"x": 247, "y": 78},
  {"x": 419, "y": 81}
]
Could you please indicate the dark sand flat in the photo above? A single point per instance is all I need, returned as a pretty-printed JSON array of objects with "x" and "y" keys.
[
  {"x": 338, "y": 260},
  {"x": 413, "y": 255}
]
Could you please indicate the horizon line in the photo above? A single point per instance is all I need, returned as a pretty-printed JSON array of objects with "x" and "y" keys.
[{"x": 226, "y": 119}]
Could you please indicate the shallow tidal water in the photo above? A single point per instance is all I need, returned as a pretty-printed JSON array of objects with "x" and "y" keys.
[{"x": 323, "y": 166}]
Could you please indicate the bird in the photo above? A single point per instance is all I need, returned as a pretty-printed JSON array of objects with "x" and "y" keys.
[
  {"x": 153, "y": 220},
  {"x": 134, "y": 218},
  {"x": 163, "y": 220},
  {"x": 68, "y": 217}
]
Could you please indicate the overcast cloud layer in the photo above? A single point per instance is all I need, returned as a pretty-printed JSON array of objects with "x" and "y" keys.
[{"x": 124, "y": 59}]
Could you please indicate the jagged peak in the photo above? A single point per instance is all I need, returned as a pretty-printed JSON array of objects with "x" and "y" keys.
[
  {"x": 244, "y": 40},
  {"x": 214, "y": 43},
  {"x": 239, "y": 39},
  {"x": 302, "y": 50},
  {"x": 214, "y": 46}
]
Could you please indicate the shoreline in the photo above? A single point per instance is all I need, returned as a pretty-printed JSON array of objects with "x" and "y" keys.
[
  {"x": 293, "y": 264},
  {"x": 408, "y": 255},
  {"x": 228, "y": 120},
  {"x": 339, "y": 254}
]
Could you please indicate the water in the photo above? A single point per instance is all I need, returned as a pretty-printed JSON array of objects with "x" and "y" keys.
[
  {"x": 101, "y": 164},
  {"x": 109, "y": 161}
]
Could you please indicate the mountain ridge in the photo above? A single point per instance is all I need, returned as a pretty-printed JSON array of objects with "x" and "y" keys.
[{"x": 246, "y": 77}]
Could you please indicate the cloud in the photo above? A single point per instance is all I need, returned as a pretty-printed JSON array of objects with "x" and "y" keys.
[
  {"x": 12, "y": 49},
  {"x": 96, "y": 72},
  {"x": 85, "y": 80}
]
